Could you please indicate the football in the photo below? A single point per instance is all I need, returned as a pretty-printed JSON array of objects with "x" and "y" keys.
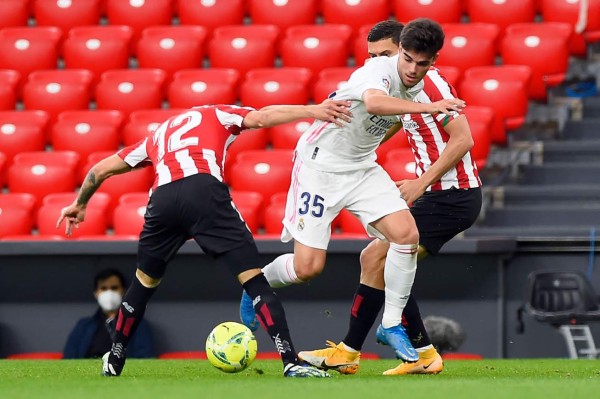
[{"x": 231, "y": 347}]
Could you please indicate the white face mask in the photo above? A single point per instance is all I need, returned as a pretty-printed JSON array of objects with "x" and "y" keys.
[{"x": 109, "y": 300}]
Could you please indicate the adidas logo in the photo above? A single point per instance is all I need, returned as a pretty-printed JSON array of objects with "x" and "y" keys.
[
  {"x": 129, "y": 308},
  {"x": 256, "y": 300}
]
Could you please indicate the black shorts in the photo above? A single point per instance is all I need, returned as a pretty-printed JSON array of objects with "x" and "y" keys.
[
  {"x": 441, "y": 215},
  {"x": 197, "y": 207}
]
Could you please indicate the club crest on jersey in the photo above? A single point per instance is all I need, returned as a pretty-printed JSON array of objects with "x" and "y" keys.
[
  {"x": 386, "y": 82},
  {"x": 301, "y": 224}
]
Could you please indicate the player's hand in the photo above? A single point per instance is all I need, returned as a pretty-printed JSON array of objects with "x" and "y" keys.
[
  {"x": 447, "y": 106},
  {"x": 72, "y": 215},
  {"x": 336, "y": 111},
  {"x": 410, "y": 190}
]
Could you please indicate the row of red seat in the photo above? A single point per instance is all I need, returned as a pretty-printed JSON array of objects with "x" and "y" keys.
[
  {"x": 285, "y": 13},
  {"x": 19, "y": 215},
  {"x": 541, "y": 46}
]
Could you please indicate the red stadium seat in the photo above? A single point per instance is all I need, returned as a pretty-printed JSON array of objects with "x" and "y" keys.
[
  {"x": 283, "y": 14},
  {"x": 9, "y": 80},
  {"x": 468, "y": 45},
  {"x": 249, "y": 205},
  {"x": 33, "y": 237},
  {"x": 87, "y": 131},
  {"x": 28, "y": 49},
  {"x": 128, "y": 218},
  {"x": 350, "y": 224},
  {"x": 316, "y": 46},
  {"x": 128, "y": 90},
  {"x": 252, "y": 139},
  {"x": 22, "y": 200},
  {"x": 171, "y": 48},
  {"x": 22, "y": 131},
  {"x": 490, "y": 87},
  {"x": 265, "y": 172},
  {"x": 355, "y": 13},
  {"x": 134, "y": 198},
  {"x": 359, "y": 47},
  {"x": 285, "y": 137},
  {"x": 329, "y": 80},
  {"x": 65, "y": 14},
  {"x": 95, "y": 222},
  {"x": 268, "y": 86},
  {"x": 450, "y": 73},
  {"x": 243, "y": 47},
  {"x": 139, "y": 14},
  {"x": 398, "y": 140},
  {"x": 481, "y": 120},
  {"x": 14, "y": 13},
  {"x": 116, "y": 186},
  {"x": 501, "y": 13},
  {"x": 192, "y": 87},
  {"x": 99, "y": 200},
  {"x": 14, "y": 220},
  {"x": 542, "y": 46},
  {"x": 442, "y": 11},
  {"x": 41, "y": 173},
  {"x": 568, "y": 11},
  {"x": 55, "y": 91},
  {"x": 3, "y": 167},
  {"x": 142, "y": 122},
  {"x": 97, "y": 48},
  {"x": 400, "y": 164},
  {"x": 211, "y": 14},
  {"x": 274, "y": 212}
]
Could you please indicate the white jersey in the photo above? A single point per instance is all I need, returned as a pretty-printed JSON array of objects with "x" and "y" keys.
[{"x": 327, "y": 147}]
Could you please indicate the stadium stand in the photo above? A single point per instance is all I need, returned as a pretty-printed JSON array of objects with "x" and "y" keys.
[
  {"x": 329, "y": 80},
  {"x": 143, "y": 121},
  {"x": 16, "y": 213},
  {"x": 249, "y": 204},
  {"x": 192, "y": 87},
  {"x": 8, "y": 85},
  {"x": 501, "y": 13},
  {"x": 98, "y": 48},
  {"x": 266, "y": 86},
  {"x": 481, "y": 120},
  {"x": 285, "y": 137},
  {"x": 283, "y": 14},
  {"x": 400, "y": 164},
  {"x": 355, "y": 13},
  {"x": 442, "y": 11},
  {"x": 22, "y": 131},
  {"x": 139, "y": 14},
  {"x": 211, "y": 14},
  {"x": 66, "y": 14},
  {"x": 14, "y": 13},
  {"x": 128, "y": 217},
  {"x": 250, "y": 140}
]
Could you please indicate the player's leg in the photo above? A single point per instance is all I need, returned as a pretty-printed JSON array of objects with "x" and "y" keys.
[
  {"x": 160, "y": 239},
  {"x": 399, "y": 273}
]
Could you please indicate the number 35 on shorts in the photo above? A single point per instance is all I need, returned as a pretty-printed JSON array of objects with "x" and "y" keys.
[{"x": 311, "y": 203}]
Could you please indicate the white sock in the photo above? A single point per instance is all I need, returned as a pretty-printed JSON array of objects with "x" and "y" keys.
[
  {"x": 280, "y": 272},
  {"x": 424, "y": 348},
  {"x": 399, "y": 275}
]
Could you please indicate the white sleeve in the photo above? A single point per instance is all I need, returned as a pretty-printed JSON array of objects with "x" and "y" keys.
[{"x": 371, "y": 76}]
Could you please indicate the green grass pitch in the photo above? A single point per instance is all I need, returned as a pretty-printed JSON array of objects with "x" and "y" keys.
[{"x": 486, "y": 379}]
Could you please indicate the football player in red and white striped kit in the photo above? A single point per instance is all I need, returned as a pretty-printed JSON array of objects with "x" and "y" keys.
[
  {"x": 446, "y": 200},
  {"x": 190, "y": 200}
]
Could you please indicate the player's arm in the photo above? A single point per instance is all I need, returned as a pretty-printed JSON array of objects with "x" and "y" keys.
[
  {"x": 395, "y": 128},
  {"x": 460, "y": 141},
  {"x": 378, "y": 102},
  {"x": 329, "y": 110},
  {"x": 75, "y": 213}
]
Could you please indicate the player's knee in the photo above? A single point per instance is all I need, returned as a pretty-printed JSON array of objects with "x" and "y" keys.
[
  {"x": 308, "y": 269},
  {"x": 371, "y": 260},
  {"x": 407, "y": 234}
]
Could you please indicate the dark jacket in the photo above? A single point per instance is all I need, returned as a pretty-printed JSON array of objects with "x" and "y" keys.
[{"x": 140, "y": 345}]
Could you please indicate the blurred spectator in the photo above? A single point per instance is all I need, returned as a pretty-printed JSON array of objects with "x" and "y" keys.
[{"x": 90, "y": 337}]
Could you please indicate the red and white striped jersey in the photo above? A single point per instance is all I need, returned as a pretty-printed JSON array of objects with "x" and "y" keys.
[
  {"x": 428, "y": 138},
  {"x": 192, "y": 142}
]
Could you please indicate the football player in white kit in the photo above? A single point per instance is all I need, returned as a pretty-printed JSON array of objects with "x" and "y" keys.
[
  {"x": 446, "y": 200},
  {"x": 335, "y": 168}
]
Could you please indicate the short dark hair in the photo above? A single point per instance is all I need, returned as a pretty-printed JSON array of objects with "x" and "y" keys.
[
  {"x": 106, "y": 273},
  {"x": 422, "y": 35},
  {"x": 389, "y": 29}
]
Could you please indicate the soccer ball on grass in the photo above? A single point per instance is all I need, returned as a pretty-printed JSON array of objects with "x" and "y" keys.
[{"x": 231, "y": 347}]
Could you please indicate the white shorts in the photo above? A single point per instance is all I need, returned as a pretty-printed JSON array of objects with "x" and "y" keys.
[{"x": 315, "y": 198}]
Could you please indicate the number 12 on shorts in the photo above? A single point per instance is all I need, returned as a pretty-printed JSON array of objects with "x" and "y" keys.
[{"x": 311, "y": 203}]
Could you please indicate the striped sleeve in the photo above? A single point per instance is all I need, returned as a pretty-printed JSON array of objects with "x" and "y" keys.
[
  {"x": 437, "y": 89},
  {"x": 136, "y": 154}
]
